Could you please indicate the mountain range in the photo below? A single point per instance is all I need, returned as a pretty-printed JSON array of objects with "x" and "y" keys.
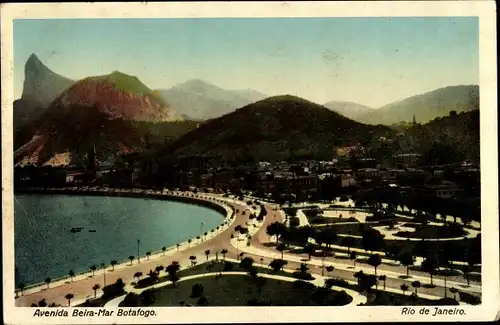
[
  {"x": 200, "y": 100},
  {"x": 348, "y": 109},
  {"x": 58, "y": 120},
  {"x": 425, "y": 107}
]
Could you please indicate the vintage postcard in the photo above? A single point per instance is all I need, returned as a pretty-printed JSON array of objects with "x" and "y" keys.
[{"x": 257, "y": 162}]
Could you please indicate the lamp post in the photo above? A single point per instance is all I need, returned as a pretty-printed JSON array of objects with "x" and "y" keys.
[
  {"x": 138, "y": 243},
  {"x": 237, "y": 247},
  {"x": 323, "y": 256},
  {"x": 104, "y": 270}
]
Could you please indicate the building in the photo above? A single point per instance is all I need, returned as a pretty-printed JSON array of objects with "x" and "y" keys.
[
  {"x": 197, "y": 163},
  {"x": 347, "y": 180},
  {"x": 444, "y": 190},
  {"x": 406, "y": 160},
  {"x": 368, "y": 172}
]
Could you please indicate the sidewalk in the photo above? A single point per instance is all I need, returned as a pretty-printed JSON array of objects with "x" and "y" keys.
[{"x": 65, "y": 280}]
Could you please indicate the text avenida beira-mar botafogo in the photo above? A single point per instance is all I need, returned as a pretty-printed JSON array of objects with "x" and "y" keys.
[{"x": 102, "y": 312}]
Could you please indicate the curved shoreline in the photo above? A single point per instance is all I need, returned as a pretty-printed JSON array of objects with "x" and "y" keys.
[
  {"x": 226, "y": 211},
  {"x": 142, "y": 194}
]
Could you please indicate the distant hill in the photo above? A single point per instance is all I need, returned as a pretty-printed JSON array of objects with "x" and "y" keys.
[
  {"x": 41, "y": 86},
  {"x": 117, "y": 95},
  {"x": 348, "y": 109},
  {"x": 426, "y": 107},
  {"x": 449, "y": 139},
  {"x": 116, "y": 113},
  {"x": 281, "y": 127},
  {"x": 200, "y": 100}
]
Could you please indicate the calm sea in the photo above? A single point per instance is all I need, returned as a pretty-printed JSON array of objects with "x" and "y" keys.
[{"x": 45, "y": 246}]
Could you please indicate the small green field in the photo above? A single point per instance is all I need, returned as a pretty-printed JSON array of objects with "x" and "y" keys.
[
  {"x": 320, "y": 220},
  {"x": 239, "y": 290},
  {"x": 429, "y": 231},
  {"x": 355, "y": 229},
  {"x": 209, "y": 267},
  {"x": 383, "y": 298}
]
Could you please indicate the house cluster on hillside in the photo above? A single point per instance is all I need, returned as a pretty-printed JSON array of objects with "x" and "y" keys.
[
  {"x": 323, "y": 179},
  {"x": 308, "y": 179}
]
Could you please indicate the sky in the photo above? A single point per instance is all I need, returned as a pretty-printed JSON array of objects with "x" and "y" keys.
[{"x": 371, "y": 61}]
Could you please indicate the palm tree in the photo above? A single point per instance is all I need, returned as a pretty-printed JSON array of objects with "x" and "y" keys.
[
  {"x": 430, "y": 265},
  {"x": 172, "y": 270},
  {"x": 353, "y": 256},
  {"x": 193, "y": 259},
  {"x": 281, "y": 247},
  {"x": 21, "y": 287},
  {"x": 224, "y": 252},
  {"x": 47, "y": 280},
  {"x": 71, "y": 275},
  {"x": 407, "y": 259},
  {"x": 198, "y": 238},
  {"x": 178, "y": 245},
  {"x": 147, "y": 255},
  {"x": 95, "y": 287},
  {"x": 466, "y": 269},
  {"x": 404, "y": 288},
  {"x": 358, "y": 275},
  {"x": 261, "y": 261},
  {"x": 68, "y": 297},
  {"x": 329, "y": 268},
  {"x": 189, "y": 243},
  {"x": 383, "y": 278},
  {"x": 163, "y": 249},
  {"x": 131, "y": 258},
  {"x": 207, "y": 253},
  {"x": 374, "y": 260},
  {"x": 137, "y": 275},
  {"x": 93, "y": 268},
  {"x": 205, "y": 235},
  {"x": 153, "y": 275},
  {"x": 454, "y": 291},
  {"x": 416, "y": 285},
  {"x": 113, "y": 263}
]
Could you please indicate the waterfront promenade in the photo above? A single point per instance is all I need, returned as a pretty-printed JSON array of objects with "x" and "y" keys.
[{"x": 261, "y": 249}]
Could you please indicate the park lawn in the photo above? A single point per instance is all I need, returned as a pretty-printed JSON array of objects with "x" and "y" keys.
[
  {"x": 207, "y": 267},
  {"x": 384, "y": 298},
  {"x": 320, "y": 220},
  {"x": 432, "y": 232},
  {"x": 355, "y": 229},
  {"x": 239, "y": 290}
]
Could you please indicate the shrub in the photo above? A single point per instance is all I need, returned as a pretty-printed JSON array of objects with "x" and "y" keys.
[
  {"x": 197, "y": 290},
  {"x": 131, "y": 300},
  {"x": 336, "y": 282},
  {"x": 228, "y": 267},
  {"x": 302, "y": 275},
  {"x": 294, "y": 222},
  {"x": 114, "y": 290},
  {"x": 303, "y": 285},
  {"x": 470, "y": 299},
  {"x": 446, "y": 302}
]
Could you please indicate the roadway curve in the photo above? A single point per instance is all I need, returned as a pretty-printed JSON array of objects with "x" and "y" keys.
[{"x": 261, "y": 247}]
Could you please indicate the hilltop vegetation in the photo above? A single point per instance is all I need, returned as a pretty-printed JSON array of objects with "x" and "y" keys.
[
  {"x": 279, "y": 127},
  {"x": 129, "y": 84}
]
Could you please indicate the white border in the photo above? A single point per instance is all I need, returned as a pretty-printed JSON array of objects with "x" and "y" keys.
[{"x": 489, "y": 164}]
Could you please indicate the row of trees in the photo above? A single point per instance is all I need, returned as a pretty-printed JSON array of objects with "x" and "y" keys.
[{"x": 467, "y": 209}]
